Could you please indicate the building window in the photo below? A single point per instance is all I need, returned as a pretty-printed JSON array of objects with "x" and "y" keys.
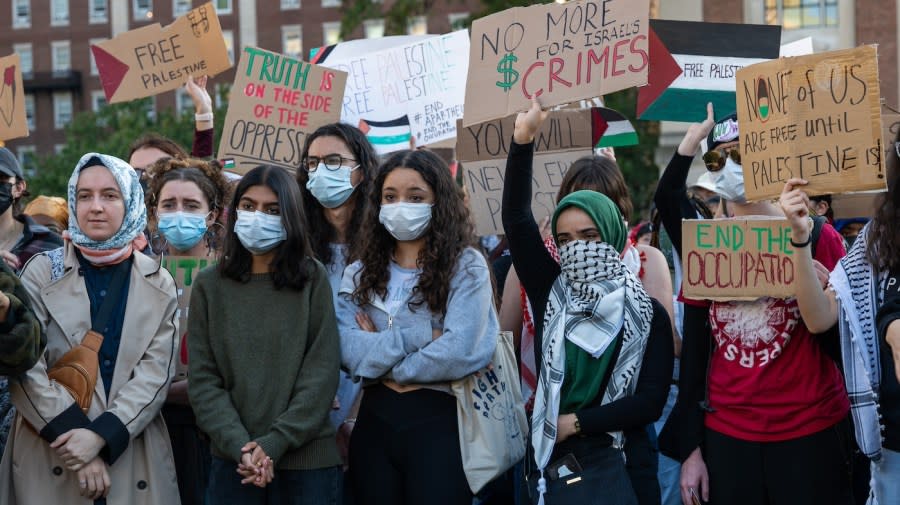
[
  {"x": 62, "y": 109},
  {"x": 290, "y": 4},
  {"x": 26, "y": 58},
  {"x": 331, "y": 33},
  {"x": 28, "y": 159},
  {"x": 417, "y": 26},
  {"x": 98, "y": 100},
  {"x": 29, "y": 111},
  {"x": 93, "y": 42},
  {"x": 223, "y": 6},
  {"x": 228, "y": 35},
  {"x": 180, "y": 7},
  {"x": 98, "y": 11},
  {"x": 292, "y": 41},
  {"x": 792, "y": 14},
  {"x": 374, "y": 28},
  {"x": 458, "y": 20},
  {"x": 61, "y": 55},
  {"x": 183, "y": 102},
  {"x": 59, "y": 12},
  {"x": 331, "y": 3},
  {"x": 21, "y": 13},
  {"x": 143, "y": 9}
]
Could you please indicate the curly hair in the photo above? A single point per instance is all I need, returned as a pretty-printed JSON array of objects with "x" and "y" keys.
[
  {"x": 601, "y": 174},
  {"x": 293, "y": 264},
  {"x": 321, "y": 233},
  {"x": 884, "y": 233},
  {"x": 449, "y": 234},
  {"x": 205, "y": 175}
]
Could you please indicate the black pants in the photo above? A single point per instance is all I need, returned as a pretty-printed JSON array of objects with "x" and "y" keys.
[
  {"x": 811, "y": 470},
  {"x": 190, "y": 450},
  {"x": 405, "y": 450}
]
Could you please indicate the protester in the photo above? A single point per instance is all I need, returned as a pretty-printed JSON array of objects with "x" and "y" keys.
[
  {"x": 761, "y": 413},
  {"x": 116, "y": 447},
  {"x": 49, "y": 211},
  {"x": 416, "y": 311},
  {"x": 264, "y": 353},
  {"x": 21, "y": 341},
  {"x": 339, "y": 164},
  {"x": 20, "y": 236},
  {"x": 863, "y": 299},
  {"x": 821, "y": 204},
  {"x": 186, "y": 198},
  {"x": 597, "y": 377}
]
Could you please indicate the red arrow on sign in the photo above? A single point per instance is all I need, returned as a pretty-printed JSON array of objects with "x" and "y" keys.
[
  {"x": 662, "y": 72},
  {"x": 112, "y": 71}
]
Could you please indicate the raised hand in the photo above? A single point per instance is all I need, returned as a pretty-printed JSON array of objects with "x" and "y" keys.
[
  {"x": 697, "y": 132},
  {"x": 795, "y": 205},
  {"x": 528, "y": 123}
]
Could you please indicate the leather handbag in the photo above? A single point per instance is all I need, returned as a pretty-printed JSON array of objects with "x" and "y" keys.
[
  {"x": 77, "y": 369},
  {"x": 491, "y": 416}
]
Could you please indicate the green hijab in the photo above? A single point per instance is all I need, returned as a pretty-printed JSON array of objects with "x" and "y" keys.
[{"x": 602, "y": 211}]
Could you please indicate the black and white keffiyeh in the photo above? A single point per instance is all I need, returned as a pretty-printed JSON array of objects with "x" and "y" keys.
[
  {"x": 859, "y": 292},
  {"x": 592, "y": 300}
]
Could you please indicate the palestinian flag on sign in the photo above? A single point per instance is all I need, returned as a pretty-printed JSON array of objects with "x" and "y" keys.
[
  {"x": 387, "y": 136},
  {"x": 692, "y": 63},
  {"x": 611, "y": 128}
]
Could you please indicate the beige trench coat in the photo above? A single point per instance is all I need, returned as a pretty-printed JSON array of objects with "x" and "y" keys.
[{"x": 31, "y": 472}]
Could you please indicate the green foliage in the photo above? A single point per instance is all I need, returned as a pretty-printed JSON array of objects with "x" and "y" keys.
[{"x": 111, "y": 131}]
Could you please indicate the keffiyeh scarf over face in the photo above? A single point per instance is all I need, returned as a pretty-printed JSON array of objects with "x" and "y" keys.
[
  {"x": 594, "y": 298},
  {"x": 130, "y": 235},
  {"x": 859, "y": 292}
]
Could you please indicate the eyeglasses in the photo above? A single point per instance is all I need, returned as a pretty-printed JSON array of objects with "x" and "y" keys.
[
  {"x": 715, "y": 160},
  {"x": 331, "y": 161}
]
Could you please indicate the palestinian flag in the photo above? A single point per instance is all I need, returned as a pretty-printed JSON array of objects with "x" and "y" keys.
[
  {"x": 387, "y": 136},
  {"x": 692, "y": 63},
  {"x": 611, "y": 128}
]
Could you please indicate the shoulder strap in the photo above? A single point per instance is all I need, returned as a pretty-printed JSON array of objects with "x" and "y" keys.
[
  {"x": 818, "y": 223},
  {"x": 109, "y": 301}
]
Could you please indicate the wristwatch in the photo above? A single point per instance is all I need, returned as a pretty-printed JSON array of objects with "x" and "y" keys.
[{"x": 577, "y": 425}]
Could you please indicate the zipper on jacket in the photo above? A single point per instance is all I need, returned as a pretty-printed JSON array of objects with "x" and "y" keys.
[{"x": 390, "y": 321}]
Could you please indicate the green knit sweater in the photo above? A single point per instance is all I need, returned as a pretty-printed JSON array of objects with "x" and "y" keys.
[{"x": 264, "y": 367}]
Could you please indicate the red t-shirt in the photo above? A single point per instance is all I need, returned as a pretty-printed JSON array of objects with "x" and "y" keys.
[{"x": 769, "y": 379}]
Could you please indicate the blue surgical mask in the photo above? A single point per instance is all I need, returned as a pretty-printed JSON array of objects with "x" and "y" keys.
[
  {"x": 182, "y": 230},
  {"x": 405, "y": 221},
  {"x": 331, "y": 187},
  {"x": 259, "y": 232}
]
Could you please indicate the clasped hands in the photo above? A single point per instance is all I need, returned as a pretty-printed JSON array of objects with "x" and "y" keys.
[
  {"x": 79, "y": 450},
  {"x": 255, "y": 467}
]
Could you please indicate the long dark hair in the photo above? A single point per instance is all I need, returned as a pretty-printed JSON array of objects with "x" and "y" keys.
[
  {"x": 292, "y": 265},
  {"x": 601, "y": 174},
  {"x": 449, "y": 234},
  {"x": 883, "y": 250},
  {"x": 321, "y": 232}
]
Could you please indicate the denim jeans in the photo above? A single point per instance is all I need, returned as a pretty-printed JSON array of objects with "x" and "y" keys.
[
  {"x": 322, "y": 486},
  {"x": 669, "y": 471},
  {"x": 886, "y": 479}
]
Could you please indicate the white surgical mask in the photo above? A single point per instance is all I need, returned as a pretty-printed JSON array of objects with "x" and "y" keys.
[
  {"x": 730, "y": 182},
  {"x": 331, "y": 187},
  {"x": 405, "y": 221},
  {"x": 259, "y": 232}
]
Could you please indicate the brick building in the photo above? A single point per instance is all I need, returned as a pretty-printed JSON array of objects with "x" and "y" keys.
[{"x": 53, "y": 38}]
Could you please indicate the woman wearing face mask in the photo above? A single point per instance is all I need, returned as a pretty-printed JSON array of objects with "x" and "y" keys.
[
  {"x": 416, "y": 311},
  {"x": 185, "y": 198},
  {"x": 338, "y": 168},
  {"x": 117, "y": 450},
  {"x": 604, "y": 370},
  {"x": 264, "y": 354}
]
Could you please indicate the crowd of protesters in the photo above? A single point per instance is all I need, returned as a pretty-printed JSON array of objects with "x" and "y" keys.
[{"x": 315, "y": 362}]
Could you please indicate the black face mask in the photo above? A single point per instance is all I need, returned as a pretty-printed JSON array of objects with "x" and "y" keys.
[{"x": 6, "y": 198}]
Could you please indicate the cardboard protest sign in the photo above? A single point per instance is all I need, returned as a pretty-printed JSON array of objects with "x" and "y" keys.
[
  {"x": 854, "y": 205},
  {"x": 184, "y": 270},
  {"x": 417, "y": 88},
  {"x": 276, "y": 101},
  {"x": 687, "y": 71},
  {"x": 482, "y": 149},
  {"x": 558, "y": 52},
  {"x": 13, "y": 121},
  {"x": 151, "y": 60},
  {"x": 737, "y": 259},
  {"x": 890, "y": 126},
  {"x": 817, "y": 117},
  {"x": 800, "y": 47}
]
